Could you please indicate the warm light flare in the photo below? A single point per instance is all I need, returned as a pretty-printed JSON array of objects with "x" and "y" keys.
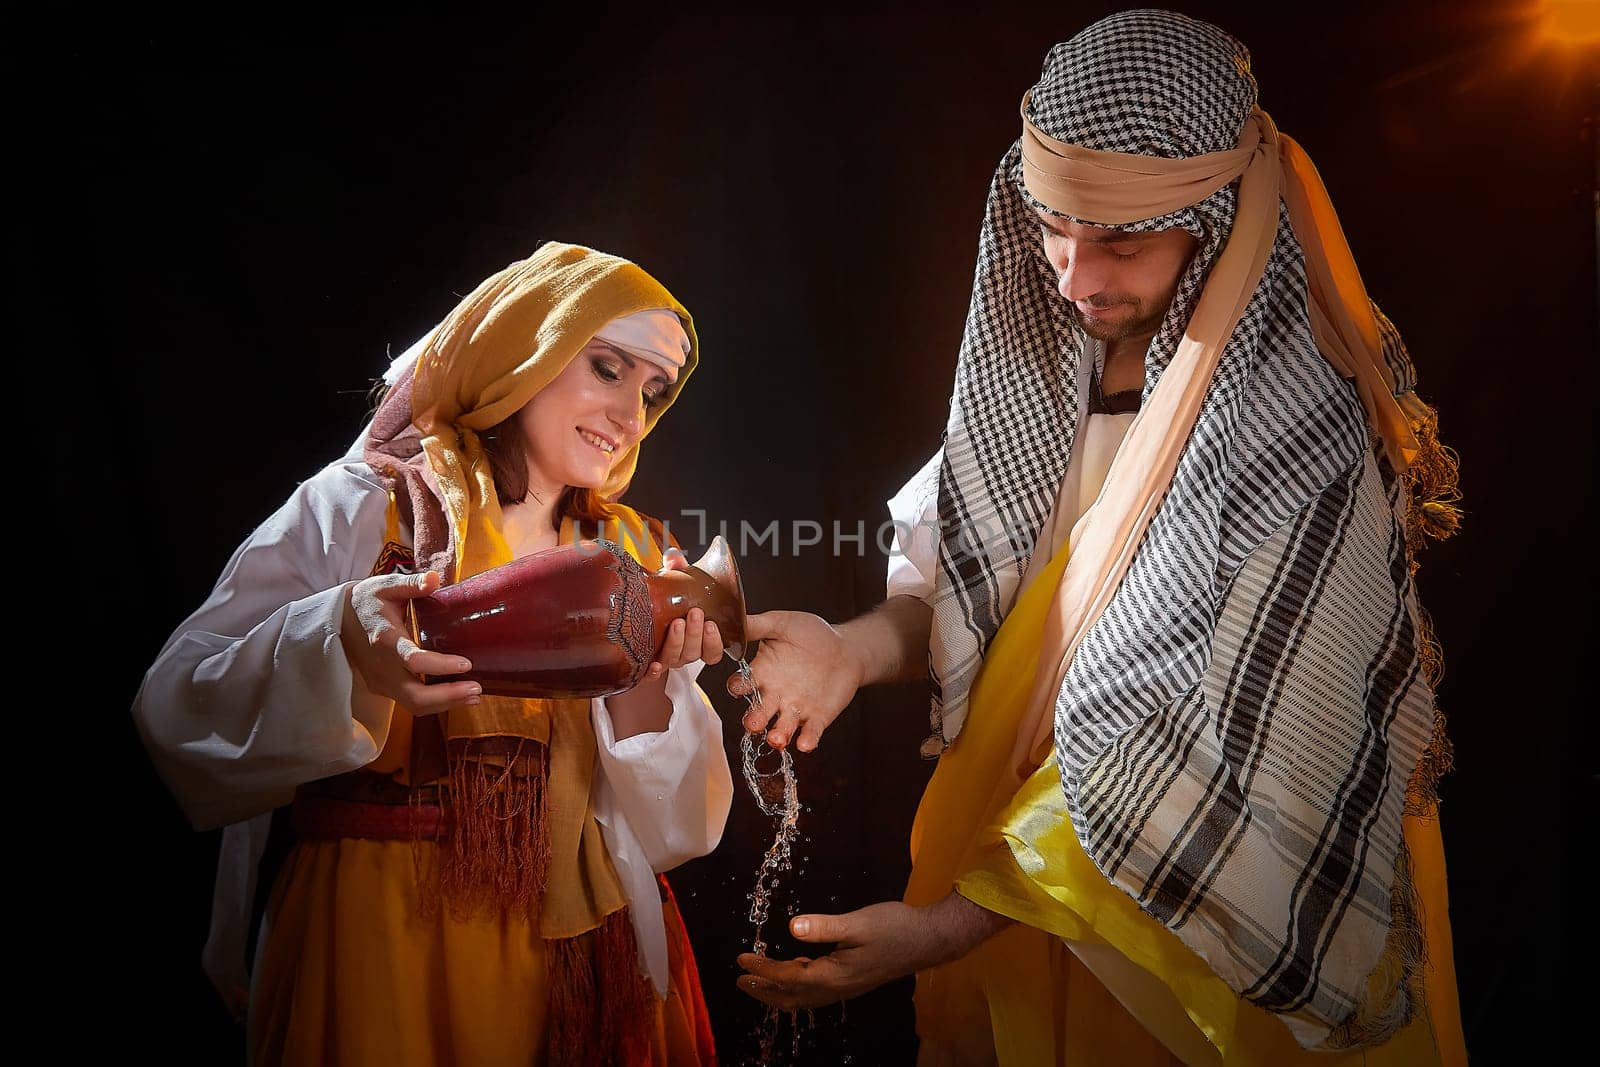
[
  {"x": 1570, "y": 22},
  {"x": 1552, "y": 44}
]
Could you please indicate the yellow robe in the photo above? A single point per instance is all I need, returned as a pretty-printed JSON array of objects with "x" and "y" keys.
[
  {"x": 1024, "y": 998},
  {"x": 351, "y": 975},
  {"x": 351, "y": 972}
]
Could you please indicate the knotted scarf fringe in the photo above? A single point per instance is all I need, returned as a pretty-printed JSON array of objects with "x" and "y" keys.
[
  {"x": 1395, "y": 986},
  {"x": 1432, "y": 496}
]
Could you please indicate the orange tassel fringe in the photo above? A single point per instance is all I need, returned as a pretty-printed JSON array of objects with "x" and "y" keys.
[
  {"x": 493, "y": 850},
  {"x": 494, "y": 856},
  {"x": 499, "y": 846},
  {"x": 600, "y": 1008}
]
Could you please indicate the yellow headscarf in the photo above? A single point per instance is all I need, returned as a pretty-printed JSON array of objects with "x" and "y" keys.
[{"x": 505, "y": 342}]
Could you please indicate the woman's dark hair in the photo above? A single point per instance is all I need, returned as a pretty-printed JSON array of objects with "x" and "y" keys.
[{"x": 507, "y": 449}]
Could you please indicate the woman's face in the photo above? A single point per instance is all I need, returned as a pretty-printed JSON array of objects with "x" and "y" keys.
[{"x": 579, "y": 425}]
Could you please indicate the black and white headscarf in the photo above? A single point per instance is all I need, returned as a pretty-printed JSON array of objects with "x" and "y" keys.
[{"x": 1237, "y": 731}]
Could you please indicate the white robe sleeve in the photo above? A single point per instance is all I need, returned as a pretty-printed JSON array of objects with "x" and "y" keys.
[
  {"x": 914, "y": 510},
  {"x": 253, "y": 695},
  {"x": 661, "y": 799}
]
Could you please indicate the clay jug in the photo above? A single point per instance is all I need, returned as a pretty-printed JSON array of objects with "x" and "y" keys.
[{"x": 581, "y": 620}]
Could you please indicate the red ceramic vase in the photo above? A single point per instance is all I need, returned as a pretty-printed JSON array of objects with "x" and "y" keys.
[{"x": 582, "y": 620}]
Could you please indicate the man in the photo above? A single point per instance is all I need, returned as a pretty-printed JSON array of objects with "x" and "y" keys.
[{"x": 1182, "y": 702}]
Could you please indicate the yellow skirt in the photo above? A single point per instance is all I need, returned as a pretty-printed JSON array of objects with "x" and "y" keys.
[
  {"x": 351, "y": 973},
  {"x": 1024, "y": 997}
]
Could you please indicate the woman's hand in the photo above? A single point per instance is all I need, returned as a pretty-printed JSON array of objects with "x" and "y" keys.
[
  {"x": 690, "y": 638},
  {"x": 378, "y": 644},
  {"x": 645, "y": 708}
]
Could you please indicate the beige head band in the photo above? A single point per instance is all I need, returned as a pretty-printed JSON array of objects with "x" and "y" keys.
[{"x": 1116, "y": 188}]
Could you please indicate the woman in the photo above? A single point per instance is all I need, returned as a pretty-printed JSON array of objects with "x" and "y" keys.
[{"x": 472, "y": 878}]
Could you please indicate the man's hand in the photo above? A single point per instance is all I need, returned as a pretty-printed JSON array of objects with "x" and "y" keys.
[
  {"x": 806, "y": 672},
  {"x": 377, "y": 642},
  {"x": 876, "y": 944}
]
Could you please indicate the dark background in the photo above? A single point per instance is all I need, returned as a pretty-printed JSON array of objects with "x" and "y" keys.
[{"x": 259, "y": 211}]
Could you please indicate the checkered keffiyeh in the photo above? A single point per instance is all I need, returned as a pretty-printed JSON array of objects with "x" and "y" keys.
[{"x": 1237, "y": 731}]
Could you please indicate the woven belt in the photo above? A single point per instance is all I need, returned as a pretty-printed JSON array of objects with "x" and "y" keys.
[{"x": 366, "y": 805}]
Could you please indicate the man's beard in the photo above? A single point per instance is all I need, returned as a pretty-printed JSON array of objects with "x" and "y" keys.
[{"x": 1142, "y": 322}]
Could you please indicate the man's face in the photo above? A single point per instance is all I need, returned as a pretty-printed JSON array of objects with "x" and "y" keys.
[{"x": 1118, "y": 284}]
